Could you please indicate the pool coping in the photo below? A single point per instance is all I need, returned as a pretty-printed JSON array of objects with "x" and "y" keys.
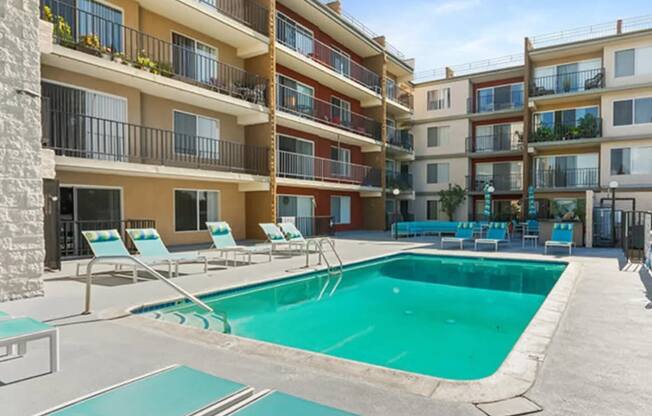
[{"x": 514, "y": 377}]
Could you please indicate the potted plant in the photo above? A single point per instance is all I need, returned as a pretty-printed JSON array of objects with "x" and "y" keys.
[
  {"x": 90, "y": 44},
  {"x": 107, "y": 53},
  {"x": 143, "y": 62},
  {"x": 47, "y": 14},
  {"x": 166, "y": 69},
  {"x": 62, "y": 32}
]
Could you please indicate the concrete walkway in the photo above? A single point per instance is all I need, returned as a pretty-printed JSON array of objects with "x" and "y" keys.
[{"x": 597, "y": 362}]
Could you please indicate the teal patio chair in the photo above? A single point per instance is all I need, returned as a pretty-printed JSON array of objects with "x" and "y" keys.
[
  {"x": 149, "y": 244},
  {"x": 276, "y": 238},
  {"x": 464, "y": 233},
  {"x": 184, "y": 391},
  {"x": 496, "y": 234},
  {"x": 294, "y": 235},
  {"x": 223, "y": 242},
  {"x": 19, "y": 331},
  {"x": 562, "y": 236},
  {"x": 108, "y": 248}
]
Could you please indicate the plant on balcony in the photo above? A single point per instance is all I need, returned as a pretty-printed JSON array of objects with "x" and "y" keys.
[
  {"x": 62, "y": 32},
  {"x": 144, "y": 62},
  {"x": 450, "y": 199},
  {"x": 165, "y": 68},
  {"x": 543, "y": 133},
  {"x": 47, "y": 14},
  {"x": 119, "y": 57},
  {"x": 588, "y": 126},
  {"x": 107, "y": 53},
  {"x": 90, "y": 44}
]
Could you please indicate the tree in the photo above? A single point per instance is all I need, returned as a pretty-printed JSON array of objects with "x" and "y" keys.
[{"x": 450, "y": 199}]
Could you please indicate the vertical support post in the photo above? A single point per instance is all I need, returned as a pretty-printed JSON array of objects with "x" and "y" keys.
[
  {"x": 613, "y": 217},
  {"x": 271, "y": 104},
  {"x": 527, "y": 73},
  {"x": 619, "y": 26}
]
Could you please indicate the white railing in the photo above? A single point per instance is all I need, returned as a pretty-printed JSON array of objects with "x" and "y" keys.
[{"x": 299, "y": 166}]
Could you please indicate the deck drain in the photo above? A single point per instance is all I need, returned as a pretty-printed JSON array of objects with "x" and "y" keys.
[{"x": 511, "y": 407}]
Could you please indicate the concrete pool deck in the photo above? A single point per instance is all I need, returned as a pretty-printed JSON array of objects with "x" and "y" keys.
[{"x": 597, "y": 360}]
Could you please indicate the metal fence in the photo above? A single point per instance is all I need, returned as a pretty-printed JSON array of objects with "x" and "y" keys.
[
  {"x": 248, "y": 12},
  {"x": 493, "y": 143},
  {"x": 300, "y": 166},
  {"x": 311, "y": 226},
  {"x": 568, "y": 82},
  {"x": 567, "y": 178},
  {"x": 513, "y": 182}
]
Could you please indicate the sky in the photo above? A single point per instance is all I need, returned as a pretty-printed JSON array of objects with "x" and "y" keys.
[{"x": 450, "y": 32}]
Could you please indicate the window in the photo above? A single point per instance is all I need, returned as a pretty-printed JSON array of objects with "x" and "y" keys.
[
  {"x": 341, "y": 61},
  {"x": 391, "y": 88},
  {"x": 106, "y": 26},
  {"x": 293, "y": 35},
  {"x": 437, "y": 173},
  {"x": 295, "y": 96},
  {"x": 572, "y": 117},
  {"x": 192, "y": 209},
  {"x": 341, "y": 111},
  {"x": 631, "y": 62},
  {"x": 196, "y": 135},
  {"x": 625, "y": 63},
  {"x": 341, "y": 209},
  {"x": 499, "y": 98},
  {"x": 194, "y": 59},
  {"x": 628, "y": 161},
  {"x": 636, "y": 111},
  {"x": 295, "y": 157},
  {"x": 438, "y": 136},
  {"x": 432, "y": 210},
  {"x": 342, "y": 165},
  {"x": 439, "y": 99}
]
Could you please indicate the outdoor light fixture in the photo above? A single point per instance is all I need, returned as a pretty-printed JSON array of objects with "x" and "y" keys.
[
  {"x": 491, "y": 189},
  {"x": 396, "y": 191}
]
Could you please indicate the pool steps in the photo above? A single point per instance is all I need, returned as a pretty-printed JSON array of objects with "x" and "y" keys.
[{"x": 211, "y": 321}]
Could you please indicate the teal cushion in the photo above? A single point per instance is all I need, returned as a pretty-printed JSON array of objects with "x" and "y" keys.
[
  {"x": 292, "y": 235},
  {"x": 220, "y": 228},
  {"x": 97, "y": 236},
  {"x": 145, "y": 234}
]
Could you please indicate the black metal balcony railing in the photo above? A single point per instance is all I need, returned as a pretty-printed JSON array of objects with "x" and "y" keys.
[
  {"x": 514, "y": 101},
  {"x": 493, "y": 143},
  {"x": 73, "y": 244},
  {"x": 95, "y": 35},
  {"x": 247, "y": 12},
  {"x": 288, "y": 35},
  {"x": 401, "y": 138},
  {"x": 588, "y": 127},
  {"x": 312, "y": 226},
  {"x": 300, "y": 166},
  {"x": 566, "y": 178},
  {"x": 504, "y": 183},
  {"x": 304, "y": 105},
  {"x": 81, "y": 136},
  {"x": 398, "y": 180},
  {"x": 568, "y": 82}
]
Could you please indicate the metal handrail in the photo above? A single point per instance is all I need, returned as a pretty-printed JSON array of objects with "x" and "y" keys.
[{"x": 177, "y": 288}]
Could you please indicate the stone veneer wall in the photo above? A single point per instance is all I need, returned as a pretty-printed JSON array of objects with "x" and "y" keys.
[{"x": 21, "y": 195}]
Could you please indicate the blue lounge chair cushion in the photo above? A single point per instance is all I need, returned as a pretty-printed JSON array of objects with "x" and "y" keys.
[
  {"x": 100, "y": 236},
  {"x": 497, "y": 231},
  {"x": 562, "y": 233},
  {"x": 105, "y": 243},
  {"x": 144, "y": 234},
  {"x": 21, "y": 326},
  {"x": 174, "y": 392},
  {"x": 221, "y": 235},
  {"x": 272, "y": 232},
  {"x": 277, "y": 404},
  {"x": 218, "y": 228}
]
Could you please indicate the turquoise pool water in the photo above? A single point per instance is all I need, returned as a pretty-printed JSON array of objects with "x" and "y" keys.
[{"x": 450, "y": 317}]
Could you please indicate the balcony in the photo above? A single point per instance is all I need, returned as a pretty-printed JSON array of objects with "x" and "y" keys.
[
  {"x": 328, "y": 120},
  {"x": 129, "y": 57},
  {"x": 493, "y": 143},
  {"x": 310, "y": 168},
  {"x": 80, "y": 136},
  {"x": 399, "y": 180},
  {"x": 588, "y": 127},
  {"x": 400, "y": 102},
  {"x": 501, "y": 183},
  {"x": 566, "y": 178},
  {"x": 572, "y": 82},
  {"x": 401, "y": 138},
  {"x": 301, "y": 52},
  {"x": 248, "y": 12}
]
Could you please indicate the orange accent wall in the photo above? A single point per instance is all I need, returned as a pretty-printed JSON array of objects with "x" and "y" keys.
[
  {"x": 322, "y": 146},
  {"x": 321, "y": 91},
  {"x": 317, "y": 33},
  {"x": 323, "y": 201}
]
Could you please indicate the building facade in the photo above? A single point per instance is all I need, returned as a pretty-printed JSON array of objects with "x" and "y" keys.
[{"x": 572, "y": 116}]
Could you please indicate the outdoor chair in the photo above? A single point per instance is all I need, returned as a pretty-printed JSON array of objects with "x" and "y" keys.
[
  {"x": 562, "y": 236},
  {"x": 464, "y": 233},
  {"x": 224, "y": 243},
  {"x": 17, "y": 332},
  {"x": 496, "y": 234}
]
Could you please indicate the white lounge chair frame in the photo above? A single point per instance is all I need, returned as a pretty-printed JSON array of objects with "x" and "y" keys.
[{"x": 21, "y": 341}]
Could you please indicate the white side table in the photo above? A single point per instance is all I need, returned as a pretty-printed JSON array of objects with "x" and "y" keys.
[{"x": 533, "y": 238}]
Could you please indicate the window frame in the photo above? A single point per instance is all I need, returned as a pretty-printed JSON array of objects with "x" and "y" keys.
[
  {"x": 197, "y": 191},
  {"x": 633, "y": 121},
  {"x": 340, "y": 197},
  {"x": 438, "y": 181}
]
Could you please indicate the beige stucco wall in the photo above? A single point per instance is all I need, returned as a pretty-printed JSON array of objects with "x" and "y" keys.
[
  {"x": 610, "y": 59},
  {"x": 609, "y": 130},
  {"x": 149, "y": 198},
  {"x": 458, "y": 132},
  {"x": 420, "y": 206},
  {"x": 623, "y": 180},
  {"x": 459, "y": 96},
  {"x": 458, "y": 168}
]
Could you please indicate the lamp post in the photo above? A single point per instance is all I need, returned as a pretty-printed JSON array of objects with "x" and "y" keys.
[
  {"x": 396, "y": 192},
  {"x": 613, "y": 185}
]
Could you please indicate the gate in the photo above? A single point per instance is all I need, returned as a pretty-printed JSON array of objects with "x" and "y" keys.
[
  {"x": 636, "y": 239},
  {"x": 603, "y": 228}
]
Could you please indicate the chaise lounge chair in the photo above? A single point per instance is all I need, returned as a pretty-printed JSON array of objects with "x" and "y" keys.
[
  {"x": 149, "y": 244},
  {"x": 562, "y": 236},
  {"x": 464, "y": 233},
  {"x": 184, "y": 391},
  {"x": 108, "y": 248},
  {"x": 496, "y": 234},
  {"x": 276, "y": 238},
  {"x": 294, "y": 235},
  {"x": 20, "y": 331},
  {"x": 224, "y": 242}
]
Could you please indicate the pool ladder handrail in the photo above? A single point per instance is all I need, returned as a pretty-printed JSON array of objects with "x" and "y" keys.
[
  {"x": 332, "y": 271},
  {"x": 89, "y": 277}
]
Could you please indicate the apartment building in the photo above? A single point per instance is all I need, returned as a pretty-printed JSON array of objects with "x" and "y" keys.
[
  {"x": 575, "y": 116},
  {"x": 176, "y": 112}
]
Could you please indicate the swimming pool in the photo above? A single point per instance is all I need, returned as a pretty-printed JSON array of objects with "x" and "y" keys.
[{"x": 450, "y": 317}]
